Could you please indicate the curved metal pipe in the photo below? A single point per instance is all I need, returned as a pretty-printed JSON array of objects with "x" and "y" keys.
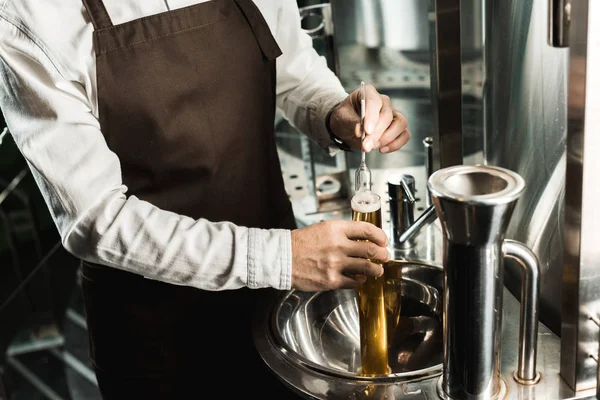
[
  {"x": 526, "y": 373},
  {"x": 428, "y": 216}
]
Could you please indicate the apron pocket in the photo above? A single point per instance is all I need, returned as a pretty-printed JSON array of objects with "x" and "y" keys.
[{"x": 130, "y": 333}]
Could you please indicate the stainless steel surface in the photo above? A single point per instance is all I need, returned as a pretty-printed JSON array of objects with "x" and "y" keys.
[
  {"x": 446, "y": 83},
  {"x": 401, "y": 206},
  {"x": 320, "y": 331},
  {"x": 581, "y": 272},
  {"x": 474, "y": 205},
  {"x": 425, "y": 219},
  {"x": 315, "y": 385},
  {"x": 526, "y": 373},
  {"x": 312, "y": 384},
  {"x": 559, "y": 21},
  {"x": 525, "y": 131}
]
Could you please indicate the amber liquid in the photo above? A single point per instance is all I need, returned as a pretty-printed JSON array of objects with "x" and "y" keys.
[
  {"x": 378, "y": 312},
  {"x": 392, "y": 293}
]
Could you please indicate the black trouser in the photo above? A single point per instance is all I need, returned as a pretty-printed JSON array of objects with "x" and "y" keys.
[{"x": 151, "y": 340}]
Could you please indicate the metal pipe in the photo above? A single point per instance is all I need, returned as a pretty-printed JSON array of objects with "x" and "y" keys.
[
  {"x": 424, "y": 220},
  {"x": 526, "y": 373}
]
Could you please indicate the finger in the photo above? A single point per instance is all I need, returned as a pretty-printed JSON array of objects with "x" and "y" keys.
[
  {"x": 398, "y": 125},
  {"x": 361, "y": 266},
  {"x": 360, "y": 279},
  {"x": 351, "y": 282},
  {"x": 397, "y": 143},
  {"x": 386, "y": 117},
  {"x": 360, "y": 230},
  {"x": 368, "y": 250},
  {"x": 373, "y": 106}
]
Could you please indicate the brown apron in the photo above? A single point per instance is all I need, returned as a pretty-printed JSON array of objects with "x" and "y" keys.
[{"x": 187, "y": 102}]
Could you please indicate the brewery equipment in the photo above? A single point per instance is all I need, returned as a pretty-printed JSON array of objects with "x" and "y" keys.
[
  {"x": 474, "y": 205},
  {"x": 403, "y": 226},
  {"x": 539, "y": 54},
  {"x": 525, "y": 131},
  {"x": 581, "y": 262},
  {"x": 311, "y": 340}
]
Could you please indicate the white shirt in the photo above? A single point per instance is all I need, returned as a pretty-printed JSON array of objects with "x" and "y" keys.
[{"x": 49, "y": 100}]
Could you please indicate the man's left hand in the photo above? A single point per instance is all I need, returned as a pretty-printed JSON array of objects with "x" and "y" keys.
[{"x": 385, "y": 128}]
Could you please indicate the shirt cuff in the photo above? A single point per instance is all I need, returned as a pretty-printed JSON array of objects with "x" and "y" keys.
[{"x": 269, "y": 258}]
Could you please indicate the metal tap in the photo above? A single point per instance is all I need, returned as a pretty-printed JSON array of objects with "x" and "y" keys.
[{"x": 403, "y": 226}]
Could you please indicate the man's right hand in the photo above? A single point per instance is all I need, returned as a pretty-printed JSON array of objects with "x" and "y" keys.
[{"x": 335, "y": 255}]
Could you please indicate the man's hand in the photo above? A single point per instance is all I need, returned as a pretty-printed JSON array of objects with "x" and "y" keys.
[
  {"x": 335, "y": 255},
  {"x": 386, "y": 129}
]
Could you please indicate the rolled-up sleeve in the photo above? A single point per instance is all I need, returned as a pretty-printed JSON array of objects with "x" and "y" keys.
[
  {"x": 306, "y": 88},
  {"x": 52, "y": 122}
]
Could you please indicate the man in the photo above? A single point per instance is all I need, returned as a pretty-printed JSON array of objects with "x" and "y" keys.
[{"x": 148, "y": 126}]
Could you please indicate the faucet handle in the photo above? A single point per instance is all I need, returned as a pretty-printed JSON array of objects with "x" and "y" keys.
[
  {"x": 407, "y": 192},
  {"x": 401, "y": 189}
]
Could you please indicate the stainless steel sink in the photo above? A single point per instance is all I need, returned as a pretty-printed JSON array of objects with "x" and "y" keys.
[{"x": 320, "y": 331}]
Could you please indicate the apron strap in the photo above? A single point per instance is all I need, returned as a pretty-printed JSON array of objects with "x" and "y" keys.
[
  {"x": 98, "y": 14},
  {"x": 265, "y": 39}
]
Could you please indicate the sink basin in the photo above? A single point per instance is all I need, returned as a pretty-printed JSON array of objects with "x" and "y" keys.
[{"x": 319, "y": 332}]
